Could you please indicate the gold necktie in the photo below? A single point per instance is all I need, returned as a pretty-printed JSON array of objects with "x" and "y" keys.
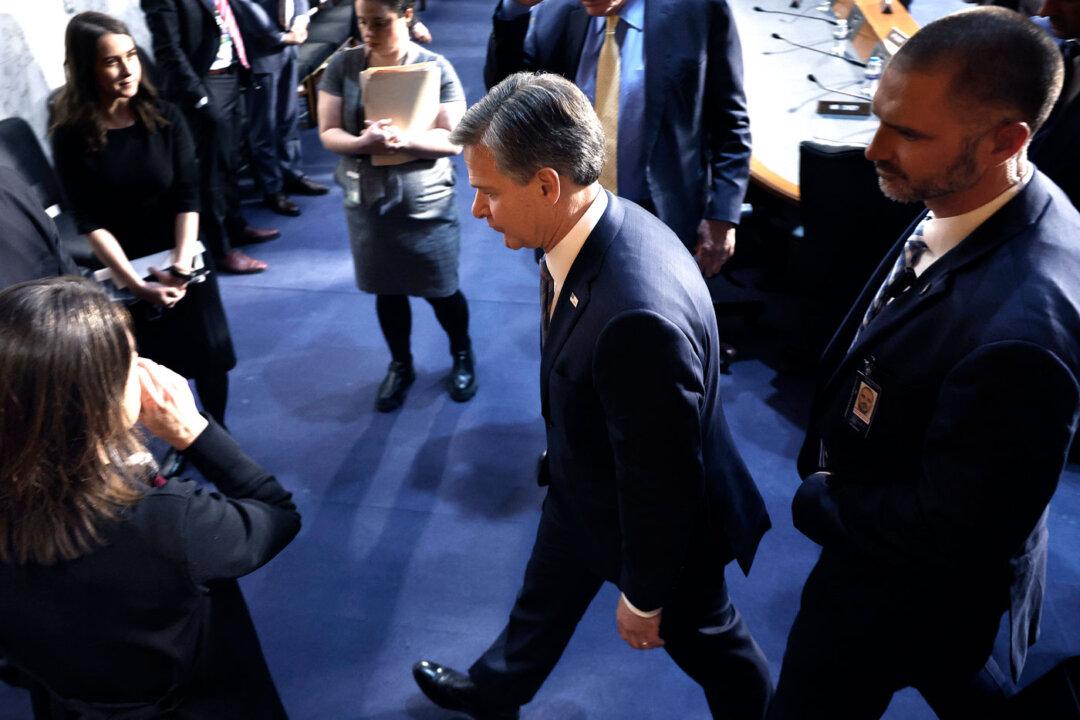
[{"x": 607, "y": 104}]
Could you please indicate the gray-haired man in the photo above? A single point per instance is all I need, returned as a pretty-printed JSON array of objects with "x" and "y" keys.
[{"x": 646, "y": 488}]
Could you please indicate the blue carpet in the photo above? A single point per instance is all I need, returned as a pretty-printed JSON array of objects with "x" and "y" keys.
[{"x": 417, "y": 525}]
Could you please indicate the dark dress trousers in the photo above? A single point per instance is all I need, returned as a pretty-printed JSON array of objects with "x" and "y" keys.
[
  {"x": 153, "y": 620},
  {"x": 185, "y": 38},
  {"x": 29, "y": 241},
  {"x": 647, "y": 489},
  {"x": 272, "y": 104},
  {"x": 697, "y": 130},
  {"x": 932, "y": 520}
]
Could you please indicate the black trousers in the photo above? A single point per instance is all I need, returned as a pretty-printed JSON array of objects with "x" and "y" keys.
[
  {"x": 862, "y": 634},
  {"x": 273, "y": 126},
  {"x": 217, "y": 145},
  {"x": 703, "y": 632}
]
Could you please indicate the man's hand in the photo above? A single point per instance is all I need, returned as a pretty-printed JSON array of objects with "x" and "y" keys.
[
  {"x": 638, "y": 632},
  {"x": 419, "y": 32},
  {"x": 716, "y": 245}
]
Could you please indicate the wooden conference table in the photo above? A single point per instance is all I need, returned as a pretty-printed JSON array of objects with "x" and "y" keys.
[{"x": 783, "y": 102}]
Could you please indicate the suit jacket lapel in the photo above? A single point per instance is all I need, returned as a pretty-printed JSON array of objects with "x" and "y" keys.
[
  {"x": 577, "y": 26},
  {"x": 578, "y": 284},
  {"x": 210, "y": 6},
  {"x": 1019, "y": 213},
  {"x": 658, "y": 42}
]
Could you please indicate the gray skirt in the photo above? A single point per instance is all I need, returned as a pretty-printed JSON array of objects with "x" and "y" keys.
[{"x": 403, "y": 227}]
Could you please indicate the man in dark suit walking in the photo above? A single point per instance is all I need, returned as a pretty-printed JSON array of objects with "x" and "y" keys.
[
  {"x": 272, "y": 30},
  {"x": 201, "y": 57},
  {"x": 647, "y": 489},
  {"x": 665, "y": 76},
  {"x": 1055, "y": 149},
  {"x": 949, "y": 396}
]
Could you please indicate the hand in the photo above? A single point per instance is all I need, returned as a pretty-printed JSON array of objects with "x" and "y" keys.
[
  {"x": 164, "y": 294},
  {"x": 296, "y": 36},
  {"x": 168, "y": 407},
  {"x": 420, "y": 32},
  {"x": 638, "y": 632},
  {"x": 716, "y": 245},
  {"x": 379, "y": 137}
]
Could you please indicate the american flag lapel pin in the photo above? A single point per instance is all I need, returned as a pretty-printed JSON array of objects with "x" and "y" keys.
[{"x": 573, "y": 299}]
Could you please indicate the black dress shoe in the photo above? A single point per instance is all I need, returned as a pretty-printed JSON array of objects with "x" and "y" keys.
[
  {"x": 452, "y": 690},
  {"x": 281, "y": 204},
  {"x": 303, "y": 185},
  {"x": 394, "y": 387},
  {"x": 462, "y": 377}
]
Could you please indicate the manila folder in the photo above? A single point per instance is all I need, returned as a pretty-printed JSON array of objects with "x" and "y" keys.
[{"x": 407, "y": 94}]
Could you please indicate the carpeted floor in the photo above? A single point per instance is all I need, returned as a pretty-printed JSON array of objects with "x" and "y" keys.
[{"x": 417, "y": 525}]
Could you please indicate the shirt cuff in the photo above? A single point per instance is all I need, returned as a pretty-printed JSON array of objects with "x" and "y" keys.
[
  {"x": 639, "y": 613},
  {"x": 511, "y": 10}
]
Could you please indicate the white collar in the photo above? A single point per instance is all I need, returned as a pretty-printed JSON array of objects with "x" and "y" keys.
[{"x": 561, "y": 257}]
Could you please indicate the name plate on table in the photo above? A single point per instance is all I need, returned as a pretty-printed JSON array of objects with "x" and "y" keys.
[{"x": 847, "y": 108}]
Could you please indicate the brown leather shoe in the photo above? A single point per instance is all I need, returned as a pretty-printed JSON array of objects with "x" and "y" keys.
[
  {"x": 250, "y": 234},
  {"x": 238, "y": 263},
  {"x": 303, "y": 185},
  {"x": 281, "y": 204}
]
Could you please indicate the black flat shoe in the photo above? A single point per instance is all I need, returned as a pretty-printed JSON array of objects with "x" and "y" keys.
[
  {"x": 281, "y": 204},
  {"x": 463, "y": 377},
  {"x": 452, "y": 690},
  {"x": 304, "y": 185},
  {"x": 394, "y": 387}
]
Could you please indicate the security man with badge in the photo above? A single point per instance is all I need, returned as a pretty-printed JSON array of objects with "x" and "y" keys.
[{"x": 949, "y": 396}]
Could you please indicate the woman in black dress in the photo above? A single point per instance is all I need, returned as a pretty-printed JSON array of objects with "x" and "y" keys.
[
  {"x": 127, "y": 162},
  {"x": 118, "y": 596}
]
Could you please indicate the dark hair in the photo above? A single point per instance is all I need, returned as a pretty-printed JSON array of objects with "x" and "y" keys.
[
  {"x": 397, "y": 6},
  {"x": 535, "y": 120},
  {"x": 65, "y": 354},
  {"x": 999, "y": 59},
  {"x": 79, "y": 105}
]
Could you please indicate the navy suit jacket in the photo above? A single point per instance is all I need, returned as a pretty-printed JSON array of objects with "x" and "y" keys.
[
  {"x": 1055, "y": 149},
  {"x": 697, "y": 131},
  {"x": 977, "y": 367},
  {"x": 258, "y": 20},
  {"x": 642, "y": 464},
  {"x": 185, "y": 37}
]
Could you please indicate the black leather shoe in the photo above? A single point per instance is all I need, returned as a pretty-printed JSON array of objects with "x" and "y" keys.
[
  {"x": 303, "y": 185},
  {"x": 394, "y": 387},
  {"x": 452, "y": 690},
  {"x": 281, "y": 204},
  {"x": 462, "y": 377}
]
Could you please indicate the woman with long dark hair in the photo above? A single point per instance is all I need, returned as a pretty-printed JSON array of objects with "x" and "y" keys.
[
  {"x": 127, "y": 161},
  {"x": 402, "y": 219},
  {"x": 117, "y": 596}
]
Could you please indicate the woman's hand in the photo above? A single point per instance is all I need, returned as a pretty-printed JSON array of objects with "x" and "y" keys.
[
  {"x": 380, "y": 137},
  {"x": 165, "y": 290},
  {"x": 167, "y": 405}
]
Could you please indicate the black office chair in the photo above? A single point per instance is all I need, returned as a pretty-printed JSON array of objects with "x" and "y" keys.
[
  {"x": 20, "y": 150},
  {"x": 848, "y": 225}
]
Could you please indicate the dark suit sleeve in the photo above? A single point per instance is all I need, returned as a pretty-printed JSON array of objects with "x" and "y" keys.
[
  {"x": 506, "y": 48},
  {"x": 650, "y": 384},
  {"x": 991, "y": 460},
  {"x": 164, "y": 25},
  {"x": 230, "y": 533},
  {"x": 259, "y": 29},
  {"x": 726, "y": 129}
]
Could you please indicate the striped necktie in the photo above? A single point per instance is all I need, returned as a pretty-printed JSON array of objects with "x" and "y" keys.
[
  {"x": 900, "y": 278},
  {"x": 228, "y": 20},
  {"x": 607, "y": 104}
]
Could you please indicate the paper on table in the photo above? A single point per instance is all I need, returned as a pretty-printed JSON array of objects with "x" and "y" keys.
[
  {"x": 407, "y": 94},
  {"x": 142, "y": 265}
]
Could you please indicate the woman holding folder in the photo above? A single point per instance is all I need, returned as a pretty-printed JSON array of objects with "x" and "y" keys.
[
  {"x": 127, "y": 162},
  {"x": 399, "y": 187}
]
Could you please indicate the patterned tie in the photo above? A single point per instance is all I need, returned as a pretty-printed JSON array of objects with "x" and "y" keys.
[
  {"x": 229, "y": 21},
  {"x": 547, "y": 294},
  {"x": 900, "y": 277},
  {"x": 607, "y": 104},
  {"x": 286, "y": 10}
]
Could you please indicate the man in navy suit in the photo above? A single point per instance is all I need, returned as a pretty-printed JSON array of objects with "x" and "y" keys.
[
  {"x": 949, "y": 396},
  {"x": 646, "y": 489},
  {"x": 273, "y": 113},
  {"x": 1056, "y": 147},
  {"x": 683, "y": 140}
]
